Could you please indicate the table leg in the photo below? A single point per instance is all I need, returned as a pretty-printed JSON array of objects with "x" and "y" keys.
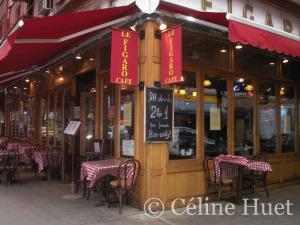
[{"x": 240, "y": 185}]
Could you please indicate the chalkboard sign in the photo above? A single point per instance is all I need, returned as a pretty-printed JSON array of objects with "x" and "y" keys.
[{"x": 158, "y": 115}]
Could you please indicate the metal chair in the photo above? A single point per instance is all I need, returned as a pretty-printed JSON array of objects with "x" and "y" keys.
[
  {"x": 258, "y": 178},
  {"x": 126, "y": 181},
  {"x": 218, "y": 182}
]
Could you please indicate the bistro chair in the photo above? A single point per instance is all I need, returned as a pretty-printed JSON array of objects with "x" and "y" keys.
[
  {"x": 9, "y": 166},
  {"x": 54, "y": 161},
  {"x": 125, "y": 182},
  {"x": 258, "y": 178},
  {"x": 219, "y": 183}
]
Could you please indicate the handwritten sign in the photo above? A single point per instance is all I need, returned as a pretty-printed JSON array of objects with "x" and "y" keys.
[
  {"x": 72, "y": 127},
  {"x": 159, "y": 115}
]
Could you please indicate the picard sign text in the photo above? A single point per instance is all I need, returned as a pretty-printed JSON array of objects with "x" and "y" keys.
[
  {"x": 124, "y": 57},
  {"x": 159, "y": 115}
]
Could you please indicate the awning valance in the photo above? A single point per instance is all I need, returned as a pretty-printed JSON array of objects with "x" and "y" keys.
[
  {"x": 37, "y": 40},
  {"x": 262, "y": 36}
]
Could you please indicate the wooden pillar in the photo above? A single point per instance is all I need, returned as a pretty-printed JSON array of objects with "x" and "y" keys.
[
  {"x": 153, "y": 157},
  {"x": 99, "y": 99}
]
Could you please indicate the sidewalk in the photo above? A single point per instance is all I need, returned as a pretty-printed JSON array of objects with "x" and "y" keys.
[{"x": 36, "y": 202}]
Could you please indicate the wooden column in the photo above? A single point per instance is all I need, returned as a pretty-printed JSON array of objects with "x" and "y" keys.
[
  {"x": 153, "y": 157},
  {"x": 99, "y": 99}
]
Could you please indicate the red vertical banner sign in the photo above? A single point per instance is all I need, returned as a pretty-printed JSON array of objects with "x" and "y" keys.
[
  {"x": 171, "y": 56},
  {"x": 124, "y": 57}
]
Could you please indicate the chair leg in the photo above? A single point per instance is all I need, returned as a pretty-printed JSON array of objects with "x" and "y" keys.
[
  {"x": 88, "y": 194},
  {"x": 254, "y": 190},
  {"x": 266, "y": 188},
  {"x": 219, "y": 190},
  {"x": 120, "y": 202}
]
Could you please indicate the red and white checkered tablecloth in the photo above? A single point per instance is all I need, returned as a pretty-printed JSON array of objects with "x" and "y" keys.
[
  {"x": 12, "y": 146},
  {"x": 25, "y": 153},
  {"x": 41, "y": 159},
  {"x": 92, "y": 171},
  {"x": 259, "y": 166},
  {"x": 230, "y": 168}
]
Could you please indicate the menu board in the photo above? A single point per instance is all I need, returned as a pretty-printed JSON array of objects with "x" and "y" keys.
[
  {"x": 158, "y": 115},
  {"x": 72, "y": 127}
]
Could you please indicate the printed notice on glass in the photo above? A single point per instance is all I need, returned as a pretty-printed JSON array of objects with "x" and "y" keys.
[
  {"x": 215, "y": 118},
  {"x": 127, "y": 114},
  {"x": 128, "y": 147}
]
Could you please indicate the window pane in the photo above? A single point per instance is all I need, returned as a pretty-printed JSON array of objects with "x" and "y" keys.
[
  {"x": 267, "y": 117},
  {"x": 215, "y": 107},
  {"x": 265, "y": 63},
  {"x": 287, "y": 115},
  {"x": 243, "y": 116},
  {"x": 127, "y": 123},
  {"x": 184, "y": 140}
]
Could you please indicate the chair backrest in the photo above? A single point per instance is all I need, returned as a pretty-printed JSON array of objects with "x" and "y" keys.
[
  {"x": 127, "y": 173},
  {"x": 54, "y": 159},
  {"x": 260, "y": 157},
  {"x": 11, "y": 159},
  {"x": 209, "y": 168}
]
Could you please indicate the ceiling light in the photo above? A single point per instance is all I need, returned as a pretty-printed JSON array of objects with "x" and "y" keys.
[
  {"x": 249, "y": 87},
  {"x": 272, "y": 64},
  {"x": 238, "y": 46},
  {"x": 176, "y": 90},
  {"x": 162, "y": 25},
  {"x": 182, "y": 91},
  {"x": 285, "y": 60},
  {"x": 133, "y": 27},
  {"x": 223, "y": 50},
  {"x": 25, "y": 88},
  {"x": 207, "y": 83},
  {"x": 15, "y": 87},
  {"x": 194, "y": 93},
  {"x": 27, "y": 80},
  {"x": 241, "y": 80},
  {"x": 78, "y": 56},
  {"x": 93, "y": 90},
  {"x": 48, "y": 70},
  {"x": 91, "y": 59}
]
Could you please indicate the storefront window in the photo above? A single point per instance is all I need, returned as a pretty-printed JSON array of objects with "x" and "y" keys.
[
  {"x": 205, "y": 52},
  {"x": 265, "y": 63},
  {"x": 51, "y": 119},
  {"x": 243, "y": 116},
  {"x": 215, "y": 115},
  {"x": 290, "y": 70},
  {"x": 185, "y": 117},
  {"x": 267, "y": 117},
  {"x": 59, "y": 118},
  {"x": 44, "y": 119},
  {"x": 109, "y": 116},
  {"x": 30, "y": 117},
  {"x": 127, "y": 123},
  {"x": 287, "y": 115}
]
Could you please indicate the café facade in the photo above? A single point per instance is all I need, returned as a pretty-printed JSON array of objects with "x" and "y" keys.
[{"x": 168, "y": 84}]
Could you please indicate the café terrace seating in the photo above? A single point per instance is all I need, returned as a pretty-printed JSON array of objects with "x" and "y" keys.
[
  {"x": 125, "y": 183},
  {"x": 217, "y": 182}
]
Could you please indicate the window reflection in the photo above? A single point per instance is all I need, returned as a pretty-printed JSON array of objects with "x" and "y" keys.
[
  {"x": 215, "y": 108},
  {"x": 287, "y": 115},
  {"x": 243, "y": 116},
  {"x": 267, "y": 117},
  {"x": 184, "y": 140}
]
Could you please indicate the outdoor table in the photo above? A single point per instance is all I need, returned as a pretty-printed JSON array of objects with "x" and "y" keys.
[
  {"x": 25, "y": 152},
  {"x": 40, "y": 157},
  {"x": 92, "y": 171},
  {"x": 11, "y": 146},
  {"x": 234, "y": 168}
]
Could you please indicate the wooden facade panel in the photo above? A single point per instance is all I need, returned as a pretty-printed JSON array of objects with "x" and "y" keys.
[{"x": 185, "y": 184}]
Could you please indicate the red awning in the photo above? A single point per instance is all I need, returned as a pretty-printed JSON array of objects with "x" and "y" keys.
[
  {"x": 262, "y": 36},
  {"x": 40, "y": 39}
]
